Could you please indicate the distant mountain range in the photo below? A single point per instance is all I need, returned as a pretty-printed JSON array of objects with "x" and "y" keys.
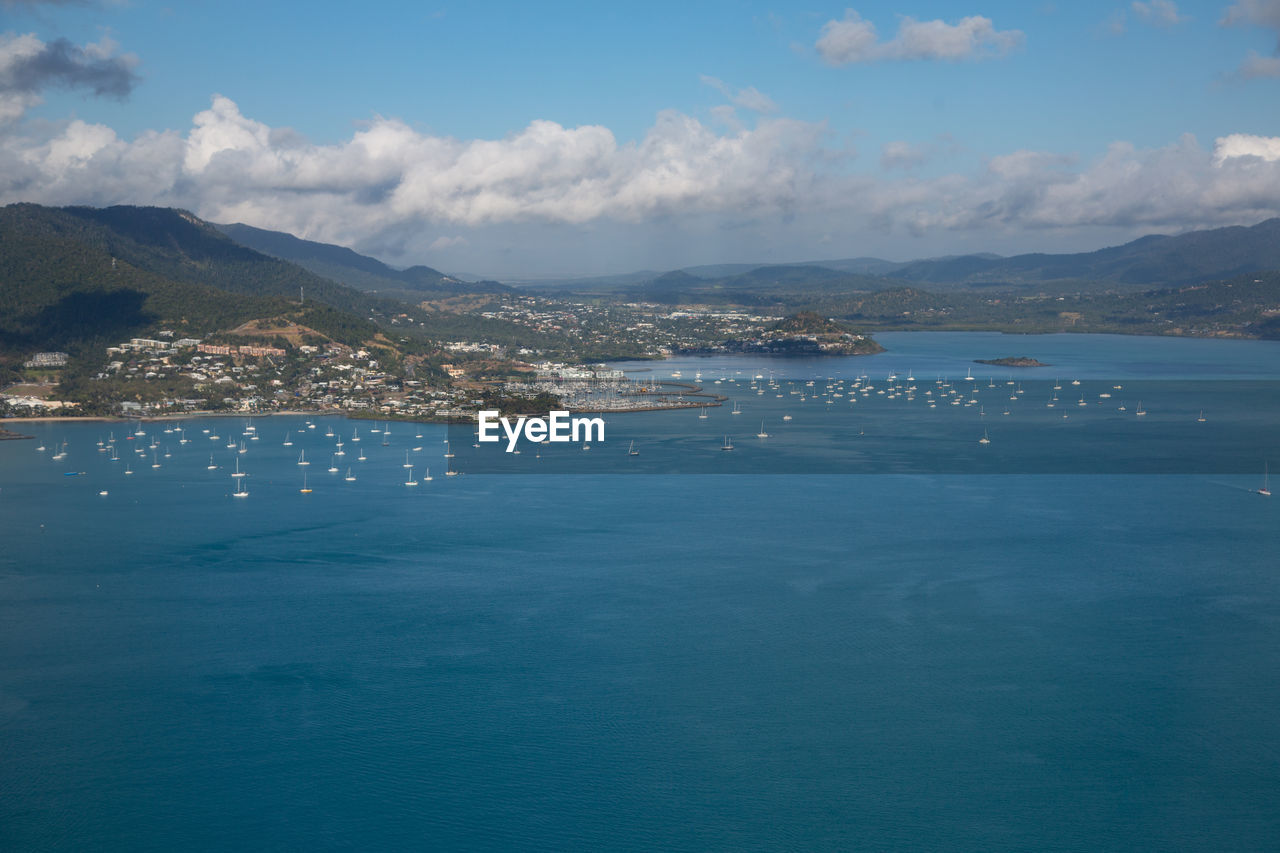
[
  {"x": 343, "y": 265},
  {"x": 1152, "y": 261}
]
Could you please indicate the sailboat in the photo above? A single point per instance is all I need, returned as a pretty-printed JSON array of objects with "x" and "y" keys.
[
  {"x": 1265, "y": 491},
  {"x": 350, "y": 478},
  {"x": 213, "y": 467},
  {"x": 237, "y": 472},
  {"x": 333, "y": 464},
  {"x": 1200, "y": 419},
  {"x": 736, "y": 410},
  {"x": 702, "y": 415},
  {"x": 1141, "y": 411},
  {"x": 448, "y": 454},
  {"x": 762, "y": 433},
  {"x": 728, "y": 445},
  {"x": 986, "y": 439},
  {"x": 411, "y": 481},
  {"x": 302, "y": 458},
  {"x": 304, "y": 490},
  {"x": 407, "y": 463},
  {"x": 631, "y": 451},
  {"x": 241, "y": 491},
  {"x": 428, "y": 476}
]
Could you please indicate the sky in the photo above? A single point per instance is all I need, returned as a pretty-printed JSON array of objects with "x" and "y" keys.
[{"x": 533, "y": 140}]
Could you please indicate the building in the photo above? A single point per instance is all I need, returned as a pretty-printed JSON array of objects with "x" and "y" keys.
[{"x": 47, "y": 359}]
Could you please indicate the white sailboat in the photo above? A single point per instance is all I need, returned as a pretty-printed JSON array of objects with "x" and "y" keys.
[
  {"x": 411, "y": 481},
  {"x": 762, "y": 433},
  {"x": 237, "y": 471},
  {"x": 241, "y": 491},
  {"x": 631, "y": 451},
  {"x": 302, "y": 458},
  {"x": 986, "y": 439},
  {"x": 1265, "y": 491},
  {"x": 350, "y": 478},
  {"x": 728, "y": 445}
]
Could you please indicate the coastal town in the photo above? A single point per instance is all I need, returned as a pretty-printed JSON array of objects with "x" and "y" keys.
[{"x": 285, "y": 367}]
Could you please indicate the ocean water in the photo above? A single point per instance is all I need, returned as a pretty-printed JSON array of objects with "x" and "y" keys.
[{"x": 922, "y": 655}]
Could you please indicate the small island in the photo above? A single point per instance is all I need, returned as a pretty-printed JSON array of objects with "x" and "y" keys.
[{"x": 1013, "y": 361}]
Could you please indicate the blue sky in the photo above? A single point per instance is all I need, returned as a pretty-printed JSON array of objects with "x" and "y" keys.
[{"x": 523, "y": 140}]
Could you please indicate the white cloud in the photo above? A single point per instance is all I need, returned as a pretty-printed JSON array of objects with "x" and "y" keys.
[
  {"x": 749, "y": 98},
  {"x": 1256, "y": 13},
  {"x": 1265, "y": 148},
  {"x": 902, "y": 155},
  {"x": 854, "y": 40},
  {"x": 1159, "y": 13},
  {"x": 1255, "y": 66},
  {"x": 231, "y": 167},
  {"x": 553, "y": 189}
]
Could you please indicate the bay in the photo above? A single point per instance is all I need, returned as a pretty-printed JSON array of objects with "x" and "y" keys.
[{"x": 925, "y": 658}]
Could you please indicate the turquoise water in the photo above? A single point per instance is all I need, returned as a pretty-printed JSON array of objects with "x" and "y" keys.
[{"x": 913, "y": 660}]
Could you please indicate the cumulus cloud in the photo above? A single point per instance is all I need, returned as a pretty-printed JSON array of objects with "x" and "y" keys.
[
  {"x": 1159, "y": 13},
  {"x": 28, "y": 66},
  {"x": 234, "y": 168},
  {"x": 749, "y": 98},
  {"x": 854, "y": 39},
  {"x": 392, "y": 187},
  {"x": 1265, "y": 148}
]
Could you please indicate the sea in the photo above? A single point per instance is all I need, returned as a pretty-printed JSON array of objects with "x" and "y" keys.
[{"x": 865, "y": 631}]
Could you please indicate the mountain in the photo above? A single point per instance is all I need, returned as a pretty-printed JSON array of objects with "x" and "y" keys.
[
  {"x": 77, "y": 277},
  {"x": 1190, "y": 258},
  {"x": 1152, "y": 261},
  {"x": 343, "y": 265}
]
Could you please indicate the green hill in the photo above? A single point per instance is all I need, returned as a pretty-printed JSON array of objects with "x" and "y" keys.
[{"x": 80, "y": 278}]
